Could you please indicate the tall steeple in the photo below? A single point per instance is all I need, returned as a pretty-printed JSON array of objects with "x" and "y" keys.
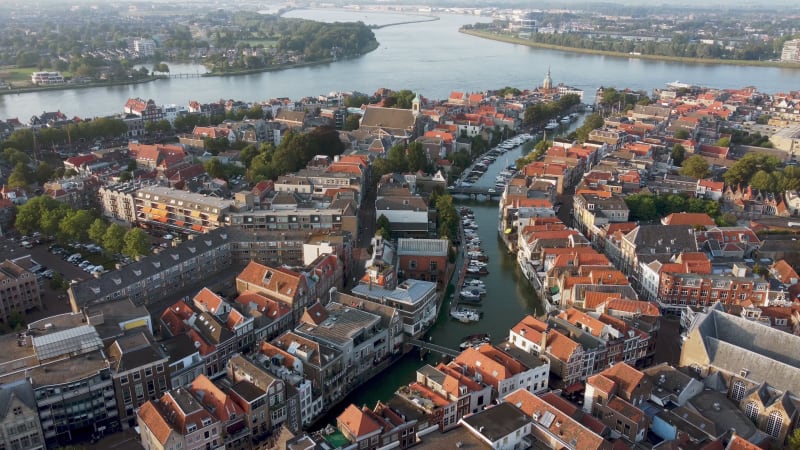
[
  {"x": 415, "y": 105},
  {"x": 548, "y": 82}
]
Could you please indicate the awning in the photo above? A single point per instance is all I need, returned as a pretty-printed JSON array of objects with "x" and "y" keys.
[
  {"x": 179, "y": 223},
  {"x": 197, "y": 227},
  {"x": 161, "y": 219},
  {"x": 573, "y": 388}
]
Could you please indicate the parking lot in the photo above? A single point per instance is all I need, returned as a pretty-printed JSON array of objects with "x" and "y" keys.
[{"x": 53, "y": 302}]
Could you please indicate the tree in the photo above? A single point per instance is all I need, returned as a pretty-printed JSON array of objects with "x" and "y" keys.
[
  {"x": 75, "y": 226},
  {"x": 723, "y": 142},
  {"x": 353, "y": 122},
  {"x": 43, "y": 172},
  {"x": 682, "y": 134},
  {"x": 97, "y": 231},
  {"x": 764, "y": 181},
  {"x": 448, "y": 217},
  {"x": 215, "y": 168},
  {"x": 21, "y": 176},
  {"x": 416, "y": 157},
  {"x": 125, "y": 176},
  {"x": 30, "y": 214},
  {"x": 247, "y": 154},
  {"x": 135, "y": 243},
  {"x": 397, "y": 158},
  {"x": 794, "y": 440},
  {"x": 695, "y": 167},
  {"x": 383, "y": 227},
  {"x": 591, "y": 123},
  {"x": 114, "y": 238},
  {"x": 678, "y": 154}
]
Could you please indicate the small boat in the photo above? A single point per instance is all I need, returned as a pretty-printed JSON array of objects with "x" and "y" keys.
[
  {"x": 480, "y": 271},
  {"x": 476, "y": 263},
  {"x": 552, "y": 125},
  {"x": 471, "y": 294},
  {"x": 465, "y": 316},
  {"x": 475, "y": 340},
  {"x": 474, "y": 282},
  {"x": 565, "y": 120}
]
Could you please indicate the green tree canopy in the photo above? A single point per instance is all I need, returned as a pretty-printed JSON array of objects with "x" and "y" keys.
[
  {"x": 695, "y": 166},
  {"x": 75, "y": 226},
  {"x": 114, "y": 238},
  {"x": 681, "y": 134},
  {"x": 678, "y": 154},
  {"x": 135, "y": 243},
  {"x": 97, "y": 231}
]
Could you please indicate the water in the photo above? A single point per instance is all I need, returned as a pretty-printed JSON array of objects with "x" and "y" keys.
[
  {"x": 509, "y": 298},
  {"x": 431, "y": 58}
]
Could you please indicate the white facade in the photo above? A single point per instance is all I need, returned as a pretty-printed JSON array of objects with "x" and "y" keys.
[
  {"x": 144, "y": 47},
  {"x": 650, "y": 279}
]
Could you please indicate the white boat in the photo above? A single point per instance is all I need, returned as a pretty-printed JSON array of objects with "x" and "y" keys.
[
  {"x": 465, "y": 316},
  {"x": 552, "y": 125},
  {"x": 565, "y": 120},
  {"x": 475, "y": 282},
  {"x": 476, "y": 263}
]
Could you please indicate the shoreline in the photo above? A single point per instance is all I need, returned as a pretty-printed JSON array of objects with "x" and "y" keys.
[
  {"x": 66, "y": 87},
  {"x": 370, "y": 49},
  {"x": 674, "y": 59}
]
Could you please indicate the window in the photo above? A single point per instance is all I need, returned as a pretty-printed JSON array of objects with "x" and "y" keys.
[
  {"x": 139, "y": 391},
  {"x": 412, "y": 264},
  {"x": 737, "y": 392},
  {"x": 774, "y": 424},
  {"x": 17, "y": 411},
  {"x": 751, "y": 410}
]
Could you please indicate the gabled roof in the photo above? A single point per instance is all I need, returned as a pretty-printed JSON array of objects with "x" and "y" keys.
[
  {"x": 685, "y": 218},
  {"x": 207, "y": 300},
  {"x": 150, "y": 415},
  {"x": 555, "y": 422},
  {"x": 357, "y": 422},
  {"x": 279, "y": 280},
  {"x": 219, "y": 403},
  {"x": 626, "y": 378}
]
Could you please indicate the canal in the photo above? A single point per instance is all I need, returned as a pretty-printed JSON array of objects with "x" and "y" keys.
[{"x": 509, "y": 298}]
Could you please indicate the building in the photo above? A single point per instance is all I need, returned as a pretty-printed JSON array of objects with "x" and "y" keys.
[
  {"x": 321, "y": 364},
  {"x": 277, "y": 283},
  {"x": 147, "y": 110},
  {"x": 278, "y": 397},
  {"x": 791, "y": 51},
  {"x": 175, "y": 210},
  {"x": 144, "y": 47},
  {"x": 357, "y": 334},
  {"x": 502, "y": 427},
  {"x": 47, "y": 78},
  {"x": 157, "y": 276},
  {"x": 19, "y": 418},
  {"x": 553, "y": 428},
  {"x": 178, "y": 420},
  {"x": 422, "y": 259},
  {"x": 594, "y": 210},
  {"x": 416, "y": 300},
  {"x": 758, "y": 365},
  {"x": 616, "y": 396},
  {"x": 117, "y": 201},
  {"x": 502, "y": 371},
  {"x": 62, "y": 357},
  {"x": 20, "y": 292},
  {"x": 140, "y": 371}
]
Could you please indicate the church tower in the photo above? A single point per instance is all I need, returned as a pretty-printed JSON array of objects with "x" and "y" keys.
[
  {"x": 415, "y": 104},
  {"x": 547, "y": 84}
]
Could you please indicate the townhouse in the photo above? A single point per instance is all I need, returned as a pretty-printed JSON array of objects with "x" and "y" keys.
[{"x": 616, "y": 396}]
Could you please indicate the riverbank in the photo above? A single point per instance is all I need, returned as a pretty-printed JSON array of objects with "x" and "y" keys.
[
  {"x": 678, "y": 59},
  {"x": 369, "y": 49},
  {"x": 67, "y": 86},
  {"x": 427, "y": 19}
]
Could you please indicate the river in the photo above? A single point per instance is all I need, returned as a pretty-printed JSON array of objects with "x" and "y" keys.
[{"x": 431, "y": 58}]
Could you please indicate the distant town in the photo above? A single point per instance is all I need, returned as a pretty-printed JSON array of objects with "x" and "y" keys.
[{"x": 223, "y": 275}]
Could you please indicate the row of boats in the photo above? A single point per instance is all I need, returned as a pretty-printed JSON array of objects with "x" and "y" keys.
[
  {"x": 473, "y": 289},
  {"x": 480, "y": 168},
  {"x": 566, "y": 120}
]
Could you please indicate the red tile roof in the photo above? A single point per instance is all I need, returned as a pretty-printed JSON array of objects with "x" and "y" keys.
[{"x": 357, "y": 422}]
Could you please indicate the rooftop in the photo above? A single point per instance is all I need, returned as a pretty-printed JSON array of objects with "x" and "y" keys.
[
  {"x": 497, "y": 422},
  {"x": 409, "y": 292}
]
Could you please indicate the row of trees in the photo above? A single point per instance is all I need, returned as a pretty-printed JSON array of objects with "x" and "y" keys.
[
  {"x": 648, "y": 207},
  {"x": 53, "y": 218},
  {"x": 88, "y": 131},
  {"x": 400, "y": 159},
  {"x": 680, "y": 45},
  {"x": 296, "y": 149},
  {"x": 763, "y": 172},
  {"x": 542, "y": 112}
]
